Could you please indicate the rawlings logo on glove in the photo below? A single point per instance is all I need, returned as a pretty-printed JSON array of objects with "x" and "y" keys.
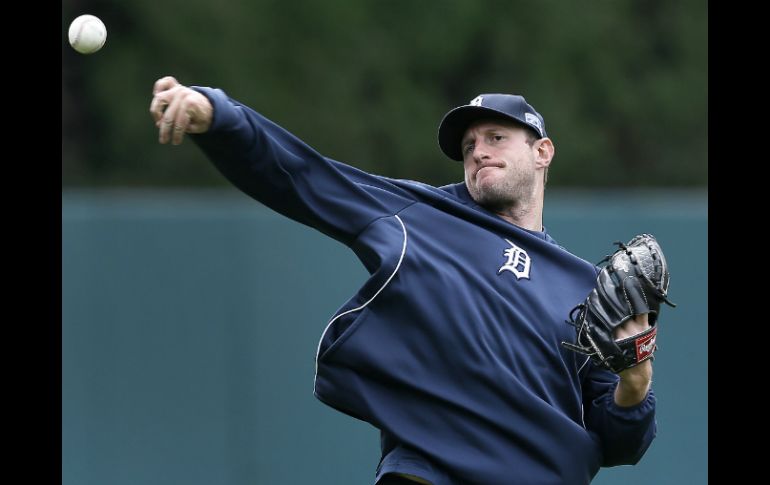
[{"x": 634, "y": 282}]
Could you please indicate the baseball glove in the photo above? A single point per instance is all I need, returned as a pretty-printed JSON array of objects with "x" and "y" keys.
[{"x": 634, "y": 281}]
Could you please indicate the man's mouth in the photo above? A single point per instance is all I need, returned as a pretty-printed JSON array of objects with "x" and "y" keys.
[{"x": 478, "y": 172}]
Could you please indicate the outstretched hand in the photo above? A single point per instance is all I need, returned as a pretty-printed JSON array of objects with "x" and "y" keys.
[{"x": 178, "y": 109}]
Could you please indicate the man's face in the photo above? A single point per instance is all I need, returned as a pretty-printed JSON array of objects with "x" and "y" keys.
[{"x": 500, "y": 166}]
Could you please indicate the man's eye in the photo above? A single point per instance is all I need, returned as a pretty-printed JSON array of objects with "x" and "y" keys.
[
  {"x": 497, "y": 137},
  {"x": 468, "y": 148}
]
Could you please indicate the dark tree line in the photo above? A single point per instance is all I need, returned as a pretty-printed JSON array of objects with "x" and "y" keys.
[{"x": 622, "y": 84}]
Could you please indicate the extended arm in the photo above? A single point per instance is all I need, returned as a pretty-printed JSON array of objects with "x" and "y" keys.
[{"x": 271, "y": 165}]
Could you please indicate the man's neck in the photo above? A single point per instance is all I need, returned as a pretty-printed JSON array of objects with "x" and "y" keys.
[
  {"x": 523, "y": 219},
  {"x": 528, "y": 215}
]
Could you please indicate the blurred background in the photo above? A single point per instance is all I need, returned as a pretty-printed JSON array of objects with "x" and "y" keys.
[{"x": 191, "y": 313}]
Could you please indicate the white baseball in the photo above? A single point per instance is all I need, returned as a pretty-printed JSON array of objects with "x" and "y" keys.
[{"x": 87, "y": 34}]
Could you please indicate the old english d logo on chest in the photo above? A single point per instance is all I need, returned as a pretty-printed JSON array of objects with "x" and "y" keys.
[{"x": 517, "y": 261}]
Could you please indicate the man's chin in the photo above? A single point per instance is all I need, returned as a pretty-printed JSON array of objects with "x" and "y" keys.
[
  {"x": 488, "y": 188},
  {"x": 490, "y": 198}
]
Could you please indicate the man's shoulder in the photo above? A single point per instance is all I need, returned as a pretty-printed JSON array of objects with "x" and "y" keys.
[
  {"x": 456, "y": 191},
  {"x": 459, "y": 190}
]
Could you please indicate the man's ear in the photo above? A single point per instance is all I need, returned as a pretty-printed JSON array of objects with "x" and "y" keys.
[{"x": 545, "y": 152}]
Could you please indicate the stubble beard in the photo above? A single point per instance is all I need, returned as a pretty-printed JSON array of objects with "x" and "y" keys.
[{"x": 514, "y": 192}]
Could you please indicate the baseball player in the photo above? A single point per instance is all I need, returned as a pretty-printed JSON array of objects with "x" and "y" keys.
[{"x": 452, "y": 347}]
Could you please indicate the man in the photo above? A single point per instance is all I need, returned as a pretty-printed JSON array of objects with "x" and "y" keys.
[{"x": 452, "y": 347}]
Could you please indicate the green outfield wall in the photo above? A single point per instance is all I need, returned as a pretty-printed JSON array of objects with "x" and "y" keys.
[{"x": 191, "y": 320}]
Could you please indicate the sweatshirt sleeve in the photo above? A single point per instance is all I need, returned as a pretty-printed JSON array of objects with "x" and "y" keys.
[
  {"x": 625, "y": 433},
  {"x": 276, "y": 168}
]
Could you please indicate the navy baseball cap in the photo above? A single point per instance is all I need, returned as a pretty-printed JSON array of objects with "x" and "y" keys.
[{"x": 506, "y": 106}]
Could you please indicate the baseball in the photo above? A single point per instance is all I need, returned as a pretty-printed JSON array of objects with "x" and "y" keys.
[{"x": 87, "y": 34}]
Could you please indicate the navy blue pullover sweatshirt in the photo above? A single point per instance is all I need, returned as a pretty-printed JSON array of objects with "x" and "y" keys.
[{"x": 452, "y": 346}]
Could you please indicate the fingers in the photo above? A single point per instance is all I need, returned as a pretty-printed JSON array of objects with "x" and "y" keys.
[
  {"x": 164, "y": 84},
  {"x": 162, "y": 93},
  {"x": 177, "y": 109},
  {"x": 177, "y": 134},
  {"x": 158, "y": 106},
  {"x": 632, "y": 327},
  {"x": 180, "y": 124},
  {"x": 174, "y": 120},
  {"x": 170, "y": 114},
  {"x": 159, "y": 96}
]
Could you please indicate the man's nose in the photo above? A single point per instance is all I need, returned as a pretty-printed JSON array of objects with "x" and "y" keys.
[{"x": 480, "y": 152}]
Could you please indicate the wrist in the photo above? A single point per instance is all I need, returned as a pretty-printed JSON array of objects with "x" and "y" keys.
[{"x": 634, "y": 384}]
